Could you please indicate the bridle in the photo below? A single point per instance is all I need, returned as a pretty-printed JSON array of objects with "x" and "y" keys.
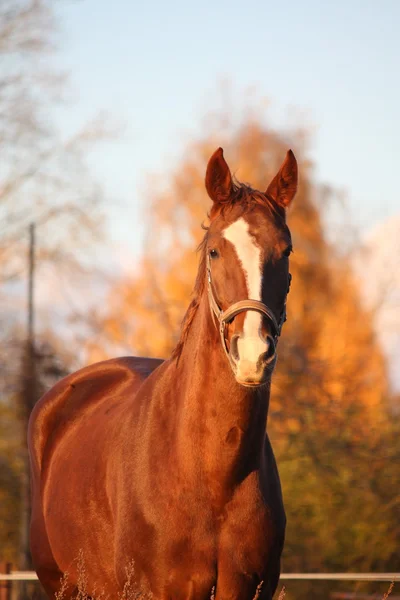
[{"x": 224, "y": 317}]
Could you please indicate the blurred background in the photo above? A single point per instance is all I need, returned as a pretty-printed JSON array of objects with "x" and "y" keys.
[{"x": 108, "y": 115}]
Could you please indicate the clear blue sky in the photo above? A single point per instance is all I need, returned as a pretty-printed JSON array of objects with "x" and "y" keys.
[{"x": 155, "y": 66}]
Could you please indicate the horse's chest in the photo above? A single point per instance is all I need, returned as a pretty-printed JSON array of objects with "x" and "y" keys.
[
  {"x": 206, "y": 549},
  {"x": 245, "y": 528},
  {"x": 248, "y": 529}
]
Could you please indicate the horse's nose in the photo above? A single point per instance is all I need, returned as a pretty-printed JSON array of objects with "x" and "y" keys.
[
  {"x": 251, "y": 356},
  {"x": 263, "y": 352}
]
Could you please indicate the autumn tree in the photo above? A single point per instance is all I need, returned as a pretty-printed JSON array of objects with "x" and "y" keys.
[
  {"x": 44, "y": 179},
  {"x": 43, "y": 176},
  {"x": 329, "y": 419},
  {"x": 52, "y": 363}
]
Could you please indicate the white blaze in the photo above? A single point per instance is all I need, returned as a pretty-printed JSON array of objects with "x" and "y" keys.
[{"x": 250, "y": 345}]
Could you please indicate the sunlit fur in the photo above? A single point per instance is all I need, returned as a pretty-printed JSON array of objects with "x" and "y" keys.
[
  {"x": 247, "y": 197},
  {"x": 250, "y": 344},
  {"x": 165, "y": 463}
]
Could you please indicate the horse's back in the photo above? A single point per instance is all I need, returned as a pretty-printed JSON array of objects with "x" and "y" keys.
[
  {"x": 61, "y": 431},
  {"x": 80, "y": 392}
]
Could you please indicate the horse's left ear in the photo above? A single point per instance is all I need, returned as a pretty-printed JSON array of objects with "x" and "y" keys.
[
  {"x": 283, "y": 187},
  {"x": 218, "y": 178}
]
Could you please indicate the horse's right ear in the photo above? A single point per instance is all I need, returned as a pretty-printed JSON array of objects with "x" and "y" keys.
[{"x": 218, "y": 178}]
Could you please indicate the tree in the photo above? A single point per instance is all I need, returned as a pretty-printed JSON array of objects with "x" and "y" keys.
[
  {"x": 10, "y": 488},
  {"x": 43, "y": 178},
  {"x": 328, "y": 408}
]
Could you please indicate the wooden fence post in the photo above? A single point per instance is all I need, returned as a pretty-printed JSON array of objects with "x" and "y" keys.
[{"x": 5, "y": 586}]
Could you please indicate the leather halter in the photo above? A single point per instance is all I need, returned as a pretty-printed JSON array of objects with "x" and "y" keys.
[{"x": 225, "y": 316}]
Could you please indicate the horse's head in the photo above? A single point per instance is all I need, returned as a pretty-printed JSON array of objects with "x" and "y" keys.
[{"x": 248, "y": 248}]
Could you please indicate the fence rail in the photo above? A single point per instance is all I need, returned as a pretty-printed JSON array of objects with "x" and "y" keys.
[
  {"x": 31, "y": 576},
  {"x": 343, "y": 576}
]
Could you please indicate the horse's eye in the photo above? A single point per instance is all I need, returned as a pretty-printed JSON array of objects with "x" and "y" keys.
[
  {"x": 288, "y": 251},
  {"x": 214, "y": 253}
]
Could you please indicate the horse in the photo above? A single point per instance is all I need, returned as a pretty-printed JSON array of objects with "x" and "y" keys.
[{"x": 167, "y": 463}]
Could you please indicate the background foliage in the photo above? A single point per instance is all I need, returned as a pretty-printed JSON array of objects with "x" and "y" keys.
[{"x": 334, "y": 435}]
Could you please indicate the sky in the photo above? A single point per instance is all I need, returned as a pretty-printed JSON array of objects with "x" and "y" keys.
[
  {"x": 155, "y": 68},
  {"x": 376, "y": 266}
]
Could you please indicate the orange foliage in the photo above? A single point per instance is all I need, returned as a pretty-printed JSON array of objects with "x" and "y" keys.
[
  {"x": 328, "y": 415},
  {"x": 328, "y": 343}
]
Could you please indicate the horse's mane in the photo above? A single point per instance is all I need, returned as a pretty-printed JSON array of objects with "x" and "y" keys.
[
  {"x": 247, "y": 197},
  {"x": 196, "y": 297}
]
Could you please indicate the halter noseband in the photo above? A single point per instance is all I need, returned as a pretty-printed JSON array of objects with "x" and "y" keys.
[{"x": 225, "y": 316}]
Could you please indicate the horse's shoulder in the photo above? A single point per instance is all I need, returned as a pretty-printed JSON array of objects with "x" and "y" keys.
[{"x": 81, "y": 391}]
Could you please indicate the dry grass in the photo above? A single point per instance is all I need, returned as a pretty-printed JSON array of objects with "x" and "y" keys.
[
  {"x": 63, "y": 589},
  {"x": 131, "y": 590},
  {"x": 282, "y": 593},
  {"x": 258, "y": 590},
  {"x": 387, "y": 594}
]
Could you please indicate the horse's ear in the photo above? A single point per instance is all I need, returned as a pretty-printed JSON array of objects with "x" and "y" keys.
[
  {"x": 283, "y": 187},
  {"x": 218, "y": 178}
]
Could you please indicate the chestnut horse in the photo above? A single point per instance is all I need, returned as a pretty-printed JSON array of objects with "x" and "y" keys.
[{"x": 168, "y": 463}]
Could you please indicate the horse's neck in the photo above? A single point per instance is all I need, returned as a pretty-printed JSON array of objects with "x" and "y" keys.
[{"x": 222, "y": 424}]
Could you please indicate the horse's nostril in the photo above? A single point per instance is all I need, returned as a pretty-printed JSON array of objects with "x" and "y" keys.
[
  {"x": 234, "y": 350},
  {"x": 269, "y": 355}
]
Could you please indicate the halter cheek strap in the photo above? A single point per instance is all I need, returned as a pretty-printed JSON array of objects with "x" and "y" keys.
[{"x": 225, "y": 316}]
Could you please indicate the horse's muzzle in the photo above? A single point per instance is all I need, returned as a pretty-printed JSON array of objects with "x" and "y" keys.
[{"x": 252, "y": 359}]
